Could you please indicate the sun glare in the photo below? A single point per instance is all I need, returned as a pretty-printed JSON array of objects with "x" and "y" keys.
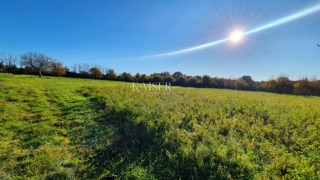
[{"x": 236, "y": 36}]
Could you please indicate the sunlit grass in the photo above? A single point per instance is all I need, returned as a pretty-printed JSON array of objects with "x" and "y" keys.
[{"x": 63, "y": 128}]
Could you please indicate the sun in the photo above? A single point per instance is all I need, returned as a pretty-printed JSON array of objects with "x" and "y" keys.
[{"x": 236, "y": 36}]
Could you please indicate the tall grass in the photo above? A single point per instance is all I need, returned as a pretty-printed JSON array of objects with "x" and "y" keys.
[{"x": 60, "y": 128}]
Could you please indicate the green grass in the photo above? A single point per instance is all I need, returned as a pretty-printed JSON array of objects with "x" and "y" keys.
[{"x": 62, "y": 128}]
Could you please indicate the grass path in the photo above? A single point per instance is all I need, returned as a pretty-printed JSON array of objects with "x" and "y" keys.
[{"x": 37, "y": 123}]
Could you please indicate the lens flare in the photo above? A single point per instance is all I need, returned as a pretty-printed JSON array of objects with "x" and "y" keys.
[
  {"x": 189, "y": 49},
  {"x": 286, "y": 19},
  {"x": 238, "y": 35}
]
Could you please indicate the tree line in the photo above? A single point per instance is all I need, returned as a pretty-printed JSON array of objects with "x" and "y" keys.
[{"x": 40, "y": 64}]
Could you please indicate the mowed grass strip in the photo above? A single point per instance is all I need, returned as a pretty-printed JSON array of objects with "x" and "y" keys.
[
  {"x": 62, "y": 128},
  {"x": 35, "y": 141}
]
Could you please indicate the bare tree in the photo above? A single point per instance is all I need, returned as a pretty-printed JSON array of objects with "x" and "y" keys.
[
  {"x": 8, "y": 60},
  {"x": 74, "y": 68},
  {"x": 36, "y": 61},
  {"x": 86, "y": 67},
  {"x": 79, "y": 67},
  {"x": 1, "y": 57},
  {"x": 105, "y": 70},
  {"x": 2, "y": 68}
]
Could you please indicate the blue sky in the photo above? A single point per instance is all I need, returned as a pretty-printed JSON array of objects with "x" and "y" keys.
[{"x": 124, "y": 35}]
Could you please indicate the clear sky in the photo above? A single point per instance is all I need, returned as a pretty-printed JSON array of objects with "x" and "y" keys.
[{"x": 126, "y": 34}]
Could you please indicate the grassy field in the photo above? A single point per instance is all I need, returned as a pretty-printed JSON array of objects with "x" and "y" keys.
[{"x": 62, "y": 128}]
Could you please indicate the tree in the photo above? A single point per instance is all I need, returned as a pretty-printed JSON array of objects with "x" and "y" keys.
[
  {"x": 169, "y": 79},
  {"x": 206, "y": 80},
  {"x": 270, "y": 85},
  {"x": 177, "y": 74},
  {"x": 66, "y": 69},
  {"x": 74, "y": 68},
  {"x": 1, "y": 67},
  {"x": 192, "y": 82},
  {"x": 181, "y": 81},
  {"x": 95, "y": 73},
  {"x": 57, "y": 69},
  {"x": 284, "y": 85},
  {"x": 165, "y": 73},
  {"x": 137, "y": 77},
  {"x": 8, "y": 59},
  {"x": 79, "y": 68},
  {"x": 241, "y": 84},
  {"x": 250, "y": 84},
  {"x": 126, "y": 77},
  {"x": 111, "y": 75},
  {"x": 144, "y": 78},
  {"x": 229, "y": 83},
  {"x": 37, "y": 61},
  {"x": 84, "y": 70},
  {"x": 199, "y": 78},
  {"x": 9, "y": 62},
  {"x": 316, "y": 87},
  {"x": 280, "y": 85},
  {"x": 218, "y": 82},
  {"x": 157, "y": 78},
  {"x": 303, "y": 87},
  {"x": 245, "y": 83},
  {"x": 86, "y": 67}
]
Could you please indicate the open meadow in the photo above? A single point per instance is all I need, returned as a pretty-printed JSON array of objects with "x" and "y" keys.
[{"x": 64, "y": 128}]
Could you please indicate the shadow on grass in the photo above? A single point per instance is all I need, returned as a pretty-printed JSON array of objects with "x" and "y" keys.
[
  {"x": 114, "y": 143},
  {"x": 117, "y": 143}
]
